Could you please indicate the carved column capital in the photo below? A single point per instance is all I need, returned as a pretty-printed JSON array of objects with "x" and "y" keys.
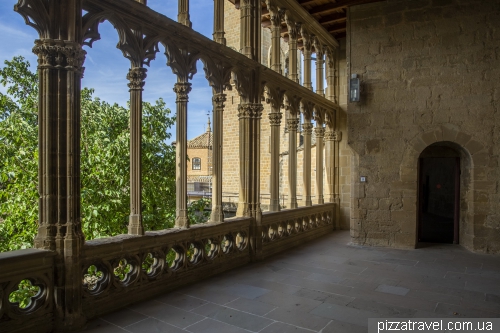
[
  {"x": 293, "y": 28},
  {"x": 319, "y": 49},
  {"x": 136, "y": 76},
  {"x": 275, "y": 118},
  {"x": 320, "y": 131},
  {"x": 307, "y": 128},
  {"x": 292, "y": 124},
  {"x": 306, "y": 39},
  {"x": 329, "y": 135},
  {"x": 59, "y": 54},
  {"x": 219, "y": 100},
  {"x": 182, "y": 90},
  {"x": 250, "y": 110}
]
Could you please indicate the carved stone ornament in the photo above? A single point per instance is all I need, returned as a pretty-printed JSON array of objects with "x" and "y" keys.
[
  {"x": 292, "y": 124},
  {"x": 250, "y": 110},
  {"x": 329, "y": 135},
  {"x": 182, "y": 90},
  {"x": 59, "y": 54},
  {"x": 329, "y": 56},
  {"x": 293, "y": 29},
  {"x": 306, "y": 39},
  {"x": 320, "y": 131},
  {"x": 307, "y": 128},
  {"x": 218, "y": 101},
  {"x": 275, "y": 118},
  {"x": 136, "y": 76},
  {"x": 337, "y": 136}
]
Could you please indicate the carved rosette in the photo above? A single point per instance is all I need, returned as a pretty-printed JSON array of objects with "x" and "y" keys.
[
  {"x": 307, "y": 128},
  {"x": 329, "y": 135},
  {"x": 250, "y": 110},
  {"x": 59, "y": 54},
  {"x": 182, "y": 90},
  {"x": 320, "y": 132},
  {"x": 292, "y": 124},
  {"x": 275, "y": 118},
  {"x": 136, "y": 76},
  {"x": 218, "y": 101}
]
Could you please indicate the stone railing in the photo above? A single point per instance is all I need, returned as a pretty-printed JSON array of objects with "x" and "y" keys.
[
  {"x": 293, "y": 227},
  {"x": 124, "y": 269},
  {"x": 26, "y": 290}
]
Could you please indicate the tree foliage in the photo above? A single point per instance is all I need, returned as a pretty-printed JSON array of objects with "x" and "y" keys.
[{"x": 104, "y": 162}]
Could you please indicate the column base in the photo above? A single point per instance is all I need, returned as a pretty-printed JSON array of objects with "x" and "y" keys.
[
  {"x": 308, "y": 202},
  {"x": 182, "y": 221},
  {"x": 293, "y": 204},
  {"x": 135, "y": 225},
  {"x": 242, "y": 209},
  {"x": 321, "y": 200},
  {"x": 274, "y": 206},
  {"x": 217, "y": 215}
]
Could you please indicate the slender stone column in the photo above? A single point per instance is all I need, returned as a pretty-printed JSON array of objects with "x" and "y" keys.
[
  {"x": 320, "y": 132},
  {"x": 275, "y": 121},
  {"x": 275, "y": 16},
  {"x": 136, "y": 77},
  {"x": 330, "y": 163},
  {"x": 306, "y": 132},
  {"x": 182, "y": 90},
  {"x": 319, "y": 68},
  {"x": 219, "y": 22},
  {"x": 217, "y": 162},
  {"x": 183, "y": 15},
  {"x": 330, "y": 75},
  {"x": 249, "y": 116},
  {"x": 307, "y": 42},
  {"x": 293, "y": 29},
  {"x": 292, "y": 123},
  {"x": 250, "y": 34}
]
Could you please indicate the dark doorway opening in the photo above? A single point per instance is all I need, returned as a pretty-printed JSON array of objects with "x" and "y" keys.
[{"x": 439, "y": 195}]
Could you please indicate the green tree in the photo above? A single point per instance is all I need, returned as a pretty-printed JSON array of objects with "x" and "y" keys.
[{"x": 104, "y": 162}]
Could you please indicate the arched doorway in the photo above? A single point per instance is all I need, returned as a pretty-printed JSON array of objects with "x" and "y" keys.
[{"x": 439, "y": 194}]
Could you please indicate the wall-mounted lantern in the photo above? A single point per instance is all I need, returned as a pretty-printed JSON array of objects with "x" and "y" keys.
[{"x": 354, "y": 88}]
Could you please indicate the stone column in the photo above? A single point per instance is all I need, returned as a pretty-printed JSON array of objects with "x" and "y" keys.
[
  {"x": 183, "y": 15},
  {"x": 275, "y": 16},
  {"x": 319, "y": 67},
  {"x": 307, "y": 47},
  {"x": 320, "y": 132},
  {"x": 219, "y": 22},
  {"x": 217, "y": 162},
  {"x": 250, "y": 34},
  {"x": 306, "y": 132},
  {"x": 136, "y": 77},
  {"x": 330, "y": 162},
  {"x": 330, "y": 75},
  {"x": 182, "y": 90},
  {"x": 275, "y": 121},
  {"x": 293, "y": 29},
  {"x": 292, "y": 123}
]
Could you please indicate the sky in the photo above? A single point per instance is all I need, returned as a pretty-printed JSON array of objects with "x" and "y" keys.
[{"x": 106, "y": 68}]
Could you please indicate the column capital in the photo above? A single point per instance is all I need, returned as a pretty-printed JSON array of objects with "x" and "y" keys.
[
  {"x": 292, "y": 124},
  {"x": 59, "y": 54},
  {"x": 275, "y": 118},
  {"x": 250, "y": 110},
  {"x": 318, "y": 48},
  {"x": 219, "y": 100},
  {"x": 329, "y": 136},
  {"x": 136, "y": 76},
  {"x": 306, "y": 39},
  {"x": 293, "y": 27},
  {"x": 320, "y": 131},
  {"x": 182, "y": 90},
  {"x": 307, "y": 128}
]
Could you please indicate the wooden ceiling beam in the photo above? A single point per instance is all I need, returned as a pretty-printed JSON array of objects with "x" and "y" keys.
[
  {"x": 340, "y": 4},
  {"x": 333, "y": 18}
]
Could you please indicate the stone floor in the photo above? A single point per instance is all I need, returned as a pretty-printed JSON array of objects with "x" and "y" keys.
[{"x": 324, "y": 286}]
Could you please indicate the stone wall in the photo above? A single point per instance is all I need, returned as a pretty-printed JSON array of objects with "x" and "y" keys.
[{"x": 429, "y": 72}]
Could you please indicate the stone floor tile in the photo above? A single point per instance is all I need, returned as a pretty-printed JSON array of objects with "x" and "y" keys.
[
  {"x": 124, "y": 318},
  {"x": 246, "y": 291},
  {"x": 167, "y": 313},
  {"x": 342, "y": 327},
  {"x": 463, "y": 311},
  {"x": 287, "y": 301},
  {"x": 382, "y": 309},
  {"x": 330, "y": 278},
  {"x": 274, "y": 286},
  {"x": 233, "y": 317},
  {"x": 324, "y": 296},
  {"x": 279, "y": 327},
  {"x": 100, "y": 326},
  {"x": 384, "y": 288},
  {"x": 318, "y": 285},
  {"x": 181, "y": 301},
  {"x": 297, "y": 317},
  {"x": 152, "y": 325},
  {"x": 213, "y": 326},
  {"x": 212, "y": 295},
  {"x": 343, "y": 313},
  {"x": 251, "y": 306},
  {"x": 434, "y": 296},
  {"x": 396, "y": 261}
]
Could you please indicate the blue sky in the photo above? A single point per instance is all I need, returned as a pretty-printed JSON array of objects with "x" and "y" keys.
[{"x": 106, "y": 68}]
